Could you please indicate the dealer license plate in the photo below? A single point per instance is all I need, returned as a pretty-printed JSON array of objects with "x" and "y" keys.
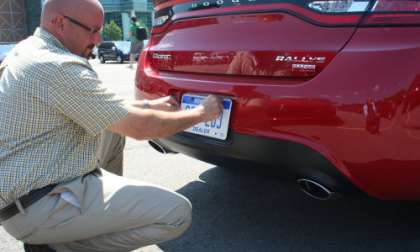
[{"x": 215, "y": 129}]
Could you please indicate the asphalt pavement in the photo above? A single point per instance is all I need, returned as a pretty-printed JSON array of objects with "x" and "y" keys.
[{"x": 253, "y": 209}]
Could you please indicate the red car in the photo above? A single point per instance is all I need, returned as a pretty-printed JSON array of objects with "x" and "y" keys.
[{"x": 326, "y": 91}]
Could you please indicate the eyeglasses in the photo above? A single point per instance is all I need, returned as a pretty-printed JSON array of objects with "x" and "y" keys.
[{"x": 87, "y": 28}]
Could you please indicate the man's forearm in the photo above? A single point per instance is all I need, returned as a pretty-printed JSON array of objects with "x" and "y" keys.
[
  {"x": 144, "y": 123},
  {"x": 148, "y": 123},
  {"x": 159, "y": 124}
]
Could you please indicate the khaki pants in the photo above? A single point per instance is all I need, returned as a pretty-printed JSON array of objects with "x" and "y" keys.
[
  {"x": 115, "y": 214},
  {"x": 102, "y": 212}
]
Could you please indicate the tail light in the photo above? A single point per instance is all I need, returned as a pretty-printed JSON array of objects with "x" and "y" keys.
[
  {"x": 393, "y": 13},
  {"x": 161, "y": 16},
  {"x": 321, "y": 12},
  {"x": 338, "y": 6}
]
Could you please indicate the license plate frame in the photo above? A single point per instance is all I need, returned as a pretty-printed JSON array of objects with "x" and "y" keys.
[{"x": 217, "y": 129}]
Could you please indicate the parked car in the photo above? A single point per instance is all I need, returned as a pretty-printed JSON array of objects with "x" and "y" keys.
[
  {"x": 5, "y": 50},
  {"x": 114, "y": 51},
  {"x": 94, "y": 52},
  {"x": 327, "y": 92}
]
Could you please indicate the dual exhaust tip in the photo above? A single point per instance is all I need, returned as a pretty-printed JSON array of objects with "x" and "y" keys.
[{"x": 316, "y": 190}]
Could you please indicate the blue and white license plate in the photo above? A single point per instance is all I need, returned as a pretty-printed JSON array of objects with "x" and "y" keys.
[{"x": 215, "y": 129}]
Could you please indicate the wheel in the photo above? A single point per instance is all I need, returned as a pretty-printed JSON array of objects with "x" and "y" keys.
[
  {"x": 120, "y": 59},
  {"x": 101, "y": 59}
]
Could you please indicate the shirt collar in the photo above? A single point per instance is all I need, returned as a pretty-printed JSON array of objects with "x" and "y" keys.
[
  {"x": 52, "y": 40},
  {"x": 49, "y": 38}
]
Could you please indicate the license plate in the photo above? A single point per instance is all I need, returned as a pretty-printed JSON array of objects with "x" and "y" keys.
[{"x": 215, "y": 129}]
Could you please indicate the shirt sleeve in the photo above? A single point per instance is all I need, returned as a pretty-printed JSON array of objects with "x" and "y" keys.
[{"x": 79, "y": 94}]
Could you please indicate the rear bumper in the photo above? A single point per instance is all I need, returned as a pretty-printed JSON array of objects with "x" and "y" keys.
[
  {"x": 289, "y": 159},
  {"x": 331, "y": 114}
]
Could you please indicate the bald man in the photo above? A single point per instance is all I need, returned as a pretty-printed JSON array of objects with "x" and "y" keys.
[{"x": 54, "y": 196}]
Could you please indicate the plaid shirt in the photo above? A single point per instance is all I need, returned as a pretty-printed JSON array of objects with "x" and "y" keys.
[{"x": 52, "y": 111}]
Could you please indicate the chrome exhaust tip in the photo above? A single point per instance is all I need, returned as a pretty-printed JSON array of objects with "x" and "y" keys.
[
  {"x": 158, "y": 147},
  {"x": 316, "y": 190}
]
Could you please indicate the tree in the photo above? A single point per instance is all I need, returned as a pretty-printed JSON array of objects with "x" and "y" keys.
[{"x": 112, "y": 31}]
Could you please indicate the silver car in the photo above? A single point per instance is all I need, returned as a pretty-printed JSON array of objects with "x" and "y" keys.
[{"x": 4, "y": 50}]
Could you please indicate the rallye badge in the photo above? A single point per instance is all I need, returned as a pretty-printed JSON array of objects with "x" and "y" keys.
[{"x": 301, "y": 59}]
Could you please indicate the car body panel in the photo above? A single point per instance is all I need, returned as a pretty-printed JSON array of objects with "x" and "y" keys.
[
  {"x": 224, "y": 45},
  {"x": 369, "y": 69}
]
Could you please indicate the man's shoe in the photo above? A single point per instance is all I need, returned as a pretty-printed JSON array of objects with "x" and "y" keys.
[{"x": 37, "y": 248}]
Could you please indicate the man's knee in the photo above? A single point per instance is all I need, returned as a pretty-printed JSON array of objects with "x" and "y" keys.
[
  {"x": 184, "y": 215},
  {"x": 178, "y": 219}
]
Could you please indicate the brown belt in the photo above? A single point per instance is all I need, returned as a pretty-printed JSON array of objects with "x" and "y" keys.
[{"x": 27, "y": 200}]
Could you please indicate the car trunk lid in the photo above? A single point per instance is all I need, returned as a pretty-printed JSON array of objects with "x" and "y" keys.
[{"x": 271, "y": 38}]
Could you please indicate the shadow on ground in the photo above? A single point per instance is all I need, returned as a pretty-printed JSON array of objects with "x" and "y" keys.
[{"x": 250, "y": 210}]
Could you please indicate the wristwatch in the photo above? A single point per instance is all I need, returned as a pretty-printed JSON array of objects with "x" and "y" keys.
[{"x": 146, "y": 104}]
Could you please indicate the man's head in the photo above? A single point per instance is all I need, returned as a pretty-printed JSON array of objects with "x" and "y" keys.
[
  {"x": 76, "y": 23},
  {"x": 133, "y": 20}
]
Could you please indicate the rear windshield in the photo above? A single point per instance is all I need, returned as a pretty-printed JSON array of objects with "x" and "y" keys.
[{"x": 106, "y": 45}]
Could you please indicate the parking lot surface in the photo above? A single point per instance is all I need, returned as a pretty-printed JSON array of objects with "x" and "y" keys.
[{"x": 236, "y": 209}]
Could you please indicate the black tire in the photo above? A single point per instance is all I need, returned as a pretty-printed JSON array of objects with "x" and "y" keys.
[
  {"x": 120, "y": 59},
  {"x": 101, "y": 59}
]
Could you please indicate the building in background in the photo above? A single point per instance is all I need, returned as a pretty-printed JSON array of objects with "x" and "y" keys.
[
  {"x": 121, "y": 10},
  {"x": 33, "y": 14},
  {"x": 19, "y": 18},
  {"x": 13, "y": 21}
]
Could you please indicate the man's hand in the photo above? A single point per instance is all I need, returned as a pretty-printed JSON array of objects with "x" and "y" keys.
[{"x": 210, "y": 108}]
